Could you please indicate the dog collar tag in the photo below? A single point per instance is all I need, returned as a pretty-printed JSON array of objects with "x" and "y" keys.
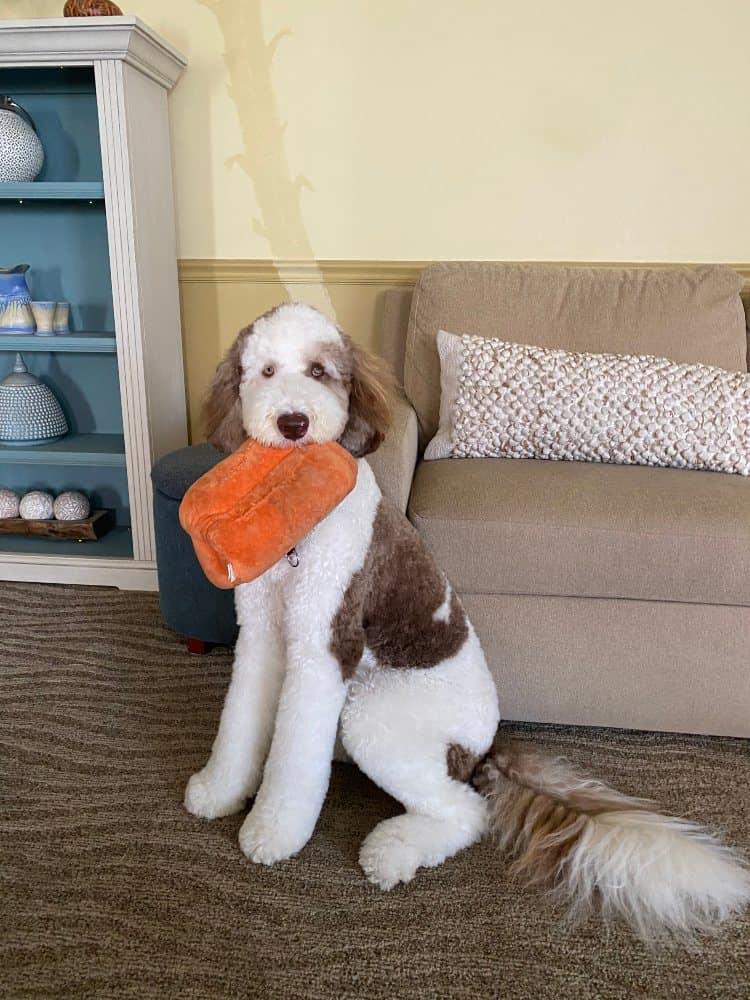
[{"x": 292, "y": 558}]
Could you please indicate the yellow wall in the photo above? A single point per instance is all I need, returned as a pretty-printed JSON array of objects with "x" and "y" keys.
[
  {"x": 583, "y": 129},
  {"x": 420, "y": 129}
]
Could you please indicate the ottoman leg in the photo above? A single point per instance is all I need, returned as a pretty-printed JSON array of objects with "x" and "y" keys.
[{"x": 197, "y": 646}]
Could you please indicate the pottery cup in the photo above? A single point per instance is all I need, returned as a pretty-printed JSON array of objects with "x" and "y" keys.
[
  {"x": 60, "y": 320},
  {"x": 44, "y": 314}
]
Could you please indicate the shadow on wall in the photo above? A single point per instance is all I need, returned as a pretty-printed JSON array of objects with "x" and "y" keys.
[{"x": 249, "y": 62}]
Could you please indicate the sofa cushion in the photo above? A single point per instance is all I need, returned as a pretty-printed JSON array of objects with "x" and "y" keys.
[
  {"x": 693, "y": 315},
  {"x": 514, "y": 526}
]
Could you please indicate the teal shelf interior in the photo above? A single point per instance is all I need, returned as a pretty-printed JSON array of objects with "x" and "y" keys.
[
  {"x": 65, "y": 244},
  {"x": 106, "y": 487},
  {"x": 58, "y": 226},
  {"x": 86, "y": 385},
  {"x": 62, "y": 102}
]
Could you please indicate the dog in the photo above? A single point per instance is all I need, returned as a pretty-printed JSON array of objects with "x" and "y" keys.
[{"x": 362, "y": 636}]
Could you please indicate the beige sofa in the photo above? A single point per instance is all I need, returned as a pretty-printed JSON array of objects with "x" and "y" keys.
[{"x": 603, "y": 595}]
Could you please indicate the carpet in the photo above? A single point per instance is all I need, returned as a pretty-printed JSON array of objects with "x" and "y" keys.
[{"x": 110, "y": 889}]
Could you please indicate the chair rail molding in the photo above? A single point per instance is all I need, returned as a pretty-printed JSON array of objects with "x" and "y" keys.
[{"x": 291, "y": 271}]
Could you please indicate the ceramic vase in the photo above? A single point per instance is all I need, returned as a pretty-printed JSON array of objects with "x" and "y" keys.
[
  {"x": 16, "y": 315},
  {"x": 21, "y": 151}
]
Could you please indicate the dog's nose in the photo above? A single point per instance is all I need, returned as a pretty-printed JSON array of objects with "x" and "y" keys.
[{"x": 293, "y": 425}]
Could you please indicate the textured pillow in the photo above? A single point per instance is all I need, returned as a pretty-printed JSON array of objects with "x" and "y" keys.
[{"x": 507, "y": 400}]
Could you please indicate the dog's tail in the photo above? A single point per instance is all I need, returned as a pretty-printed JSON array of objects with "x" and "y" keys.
[{"x": 594, "y": 846}]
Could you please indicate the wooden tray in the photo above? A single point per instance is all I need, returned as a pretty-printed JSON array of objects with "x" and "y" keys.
[{"x": 93, "y": 527}]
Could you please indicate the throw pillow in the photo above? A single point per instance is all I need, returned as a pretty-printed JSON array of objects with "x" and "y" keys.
[{"x": 508, "y": 400}]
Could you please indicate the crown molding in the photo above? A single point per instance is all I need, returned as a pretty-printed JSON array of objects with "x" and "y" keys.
[
  {"x": 353, "y": 272},
  {"x": 87, "y": 40}
]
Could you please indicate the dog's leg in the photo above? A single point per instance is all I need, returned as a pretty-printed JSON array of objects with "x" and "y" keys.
[
  {"x": 442, "y": 817},
  {"x": 298, "y": 768},
  {"x": 235, "y": 767},
  {"x": 397, "y": 726}
]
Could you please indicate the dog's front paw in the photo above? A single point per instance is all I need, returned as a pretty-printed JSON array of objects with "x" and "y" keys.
[
  {"x": 205, "y": 798},
  {"x": 267, "y": 839}
]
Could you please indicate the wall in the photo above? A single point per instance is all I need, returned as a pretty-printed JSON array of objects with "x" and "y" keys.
[{"x": 418, "y": 129}]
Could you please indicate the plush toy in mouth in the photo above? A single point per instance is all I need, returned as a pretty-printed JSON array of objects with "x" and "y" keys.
[{"x": 252, "y": 508}]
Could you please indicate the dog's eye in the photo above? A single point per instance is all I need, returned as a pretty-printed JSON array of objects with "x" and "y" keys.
[
  {"x": 269, "y": 370},
  {"x": 317, "y": 370}
]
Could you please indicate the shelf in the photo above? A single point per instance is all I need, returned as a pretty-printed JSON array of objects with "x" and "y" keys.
[
  {"x": 76, "y": 343},
  {"x": 116, "y": 544},
  {"x": 52, "y": 191},
  {"x": 98, "y": 450}
]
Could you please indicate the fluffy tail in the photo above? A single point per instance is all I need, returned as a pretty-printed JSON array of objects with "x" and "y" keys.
[{"x": 593, "y": 846}]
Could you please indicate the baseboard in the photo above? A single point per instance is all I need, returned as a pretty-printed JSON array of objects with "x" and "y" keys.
[{"x": 121, "y": 573}]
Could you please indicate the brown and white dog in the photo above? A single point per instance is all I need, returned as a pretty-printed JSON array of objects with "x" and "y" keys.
[{"x": 366, "y": 638}]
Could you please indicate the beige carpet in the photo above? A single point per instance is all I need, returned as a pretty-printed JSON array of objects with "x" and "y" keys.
[{"x": 109, "y": 889}]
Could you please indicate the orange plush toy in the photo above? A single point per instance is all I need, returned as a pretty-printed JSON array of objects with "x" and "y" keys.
[{"x": 253, "y": 508}]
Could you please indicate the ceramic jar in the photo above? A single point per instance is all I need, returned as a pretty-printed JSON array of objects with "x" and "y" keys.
[
  {"x": 29, "y": 411},
  {"x": 21, "y": 151}
]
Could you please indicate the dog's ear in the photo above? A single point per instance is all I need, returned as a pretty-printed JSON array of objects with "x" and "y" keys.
[
  {"x": 371, "y": 390},
  {"x": 222, "y": 409}
]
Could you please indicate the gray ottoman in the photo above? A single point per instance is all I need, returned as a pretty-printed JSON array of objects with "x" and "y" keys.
[{"x": 191, "y": 606}]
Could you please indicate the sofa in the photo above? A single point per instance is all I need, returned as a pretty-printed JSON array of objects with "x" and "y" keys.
[{"x": 603, "y": 595}]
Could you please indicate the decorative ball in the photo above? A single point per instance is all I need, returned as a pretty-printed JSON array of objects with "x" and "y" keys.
[
  {"x": 36, "y": 506},
  {"x": 72, "y": 506},
  {"x": 8, "y": 503},
  {"x": 90, "y": 8}
]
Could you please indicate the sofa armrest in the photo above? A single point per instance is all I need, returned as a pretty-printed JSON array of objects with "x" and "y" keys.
[{"x": 394, "y": 461}]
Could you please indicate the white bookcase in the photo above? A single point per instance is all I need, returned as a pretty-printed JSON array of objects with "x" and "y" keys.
[{"x": 97, "y": 228}]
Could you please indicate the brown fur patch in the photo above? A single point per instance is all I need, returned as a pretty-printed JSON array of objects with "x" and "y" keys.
[
  {"x": 222, "y": 413},
  {"x": 371, "y": 388},
  {"x": 390, "y": 603},
  {"x": 461, "y": 762},
  {"x": 330, "y": 356}
]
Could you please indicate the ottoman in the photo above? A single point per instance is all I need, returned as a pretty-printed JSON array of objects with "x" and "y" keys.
[{"x": 190, "y": 605}]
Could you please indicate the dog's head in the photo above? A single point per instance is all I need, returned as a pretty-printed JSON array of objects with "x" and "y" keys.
[{"x": 293, "y": 378}]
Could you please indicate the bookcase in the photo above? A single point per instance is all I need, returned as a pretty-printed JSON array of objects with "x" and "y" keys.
[{"x": 97, "y": 228}]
